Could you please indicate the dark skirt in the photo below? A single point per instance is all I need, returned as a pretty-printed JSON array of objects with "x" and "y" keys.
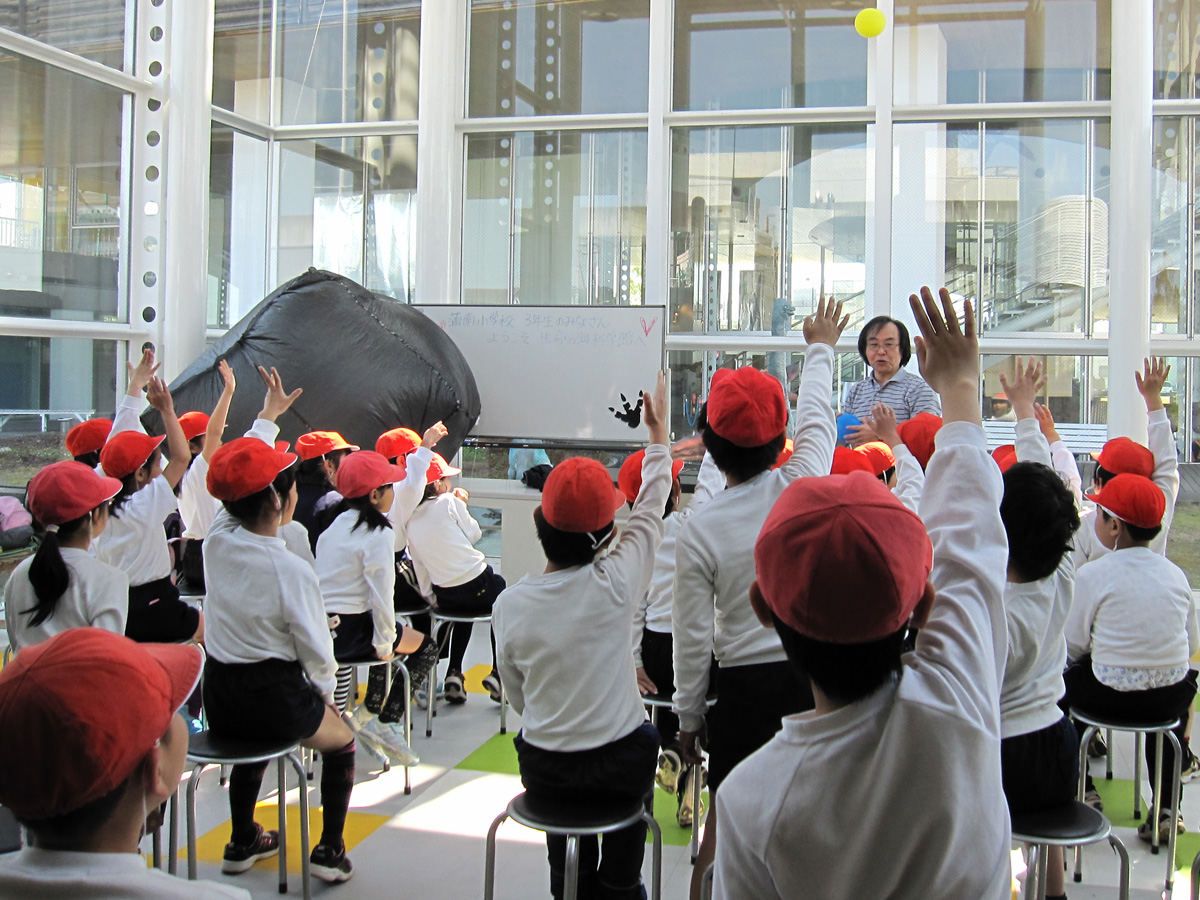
[
  {"x": 261, "y": 701},
  {"x": 158, "y": 616}
]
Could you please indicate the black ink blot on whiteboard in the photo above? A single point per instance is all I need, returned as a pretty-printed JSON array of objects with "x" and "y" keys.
[{"x": 630, "y": 415}]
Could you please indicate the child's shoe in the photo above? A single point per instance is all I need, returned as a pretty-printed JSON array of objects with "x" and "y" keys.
[
  {"x": 241, "y": 857},
  {"x": 1097, "y": 746},
  {"x": 455, "y": 692},
  {"x": 376, "y": 688},
  {"x": 390, "y": 737},
  {"x": 1165, "y": 820},
  {"x": 492, "y": 684},
  {"x": 1191, "y": 770},
  {"x": 330, "y": 864},
  {"x": 360, "y": 717},
  {"x": 669, "y": 767},
  {"x": 686, "y": 812},
  {"x": 420, "y": 696},
  {"x": 1092, "y": 798}
]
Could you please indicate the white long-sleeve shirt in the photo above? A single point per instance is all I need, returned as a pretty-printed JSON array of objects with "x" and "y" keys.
[
  {"x": 913, "y": 770},
  {"x": 262, "y": 603},
  {"x": 357, "y": 570},
  {"x": 654, "y": 610},
  {"x": 562, "y": 638},
  {"x": 197, "y": 507},
  {"x": 127, "y": 418},
  {"x": 97, "y": 595},
  {"x": 1133, "y": 611},
  {"x": 714, "y": 556},
  {"x": 134, "y": 540},
  {"x": 408, "y": 493},
  {"x": 441, "y": 542},
  {"x": 37, "y": 874},
  {"x": 910, "y": 478}
]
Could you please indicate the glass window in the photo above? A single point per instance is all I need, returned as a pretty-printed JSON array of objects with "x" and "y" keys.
[
  {"x": 1076, "y": 389},
  {"x": 1176, "y": 38},
  {"x": 767, "y": 218},
  {"x": 237, "y": 233},
  {"x": 1013, "y": 215},
  {"x": 348, "y": 60},
  {"x": 93, "y": 29},
  {"x": 768, "y": 54},
  {"x": 60, "y": 193},
  {"x": 350, "y": 207},
  {"x": 544, "y": 58},
  {"x": 979, "y": 51},
  {"x": 242, "y": 56},
  {"x": 1174, "y": 234},
  {"x": 555, "y": 218}
]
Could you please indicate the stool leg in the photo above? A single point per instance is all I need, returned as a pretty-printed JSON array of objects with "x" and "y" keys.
[
  {"x": 431, "y": 707},
  {"x": 407, "y": 677},
  {"x": 571, "y": 874},
  {"x": 280, "y": 773},
  {"x": 706, "y": 882},
  {"x": 224, "y": 777},
  {"x": 156, "y": 847},
  {"x": 503, "y": 710},
  {"x": 489, "y": 860},
  {"x": 1195, "y": 877},
  {"x": 1108, "y": 757},
  {"x": 1083, "y": 770},
  {"x": 191, "y": 820},
  {"x": 1043, "y": 872},
  {"x": 1156, "y": 806},
  {"x": 1033, "y": 862},
  {"x": 655, "y": 858},
  {"x": 694, "y": 784},
  {"x": 1137, "y": 774},
  {"x": 1176, "y": 791},
  {"x": 173, "y": 842},
  {"x": 387, "y": 690},
  {"x": 1123, "y": 855},
  {"x": 305, "y": 849}
]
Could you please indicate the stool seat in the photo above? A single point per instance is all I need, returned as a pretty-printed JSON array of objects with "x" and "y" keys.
[
  {"x": 664, "y": 701},
  {"x": 207, "y": 748},
  {"x": 1088, "y": 718},
  {"x": 459, "y": 617},
  {"x": 413, "y": 610},
  {"x": 1066, "y": 825},
  {"x": 361, "y": 661},
  {"x": 556, "y": 817}
]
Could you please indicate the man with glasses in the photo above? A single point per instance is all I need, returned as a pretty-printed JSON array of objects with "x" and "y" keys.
[{"x": 885, "y": 347}]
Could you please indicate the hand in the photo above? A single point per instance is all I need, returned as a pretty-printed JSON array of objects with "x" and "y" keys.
[
  {"x": 1150, "y": 381},
  {"x": 1046, "y": 422},
  {"x": 883, "y": 422},
  {"x": 227, "y": 375},
  {"x": 645, "y": 685},
  {"x": 1027, "y": 381},
  {"x": 948, "y": 354},
  {"x": 691, "y": 743},
  {"x": 861, "y": 433},
  {"x": 656, "y": 411},
  {"x": 139, "y": 376},
  {"x": 433, "y": 434},
  {"x": 159, "y": 397},
  {"x": 461, "y": 494},
  {"x": 826, "y": 326},
  {"x": 391, "y": 654},
  {"x": 277, "y": 401}
]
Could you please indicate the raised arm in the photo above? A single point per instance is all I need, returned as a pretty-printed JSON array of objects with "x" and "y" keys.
[
  {"x": 1062, "y": 459},
  {"x": 177, "y": 444},
  {"x": 215, "y": 432},
  {"x": 1022, "y": 390},
  {"x": 411, "y": 488},
  {"x": 127, "y": 417},
  {"x": 1150, "y": 381},
  {"x": 910, "y": 477},
  {"x": 816, "y": 431}
]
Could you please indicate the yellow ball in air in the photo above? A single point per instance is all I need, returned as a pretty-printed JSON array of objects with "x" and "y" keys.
[{"x": 870, "y": 23}]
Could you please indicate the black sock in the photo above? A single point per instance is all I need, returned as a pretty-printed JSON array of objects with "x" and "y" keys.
[
  {"x": 337, "y": 780},
  {"x": 244, "y": 784}
]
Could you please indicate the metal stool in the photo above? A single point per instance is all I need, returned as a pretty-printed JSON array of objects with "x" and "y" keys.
[
  {"x": 573, "y": 822},
  {"x": 205, "y": 750},
  {"x": 399, "y": 664},
  {"x": 1195, "y": 879},
  {"x": 1158, "y": 729},
  {"x": 1073, "y": 824},
  {"x": 706, "y": 882},
  {"x": 437, "y": 619},
  {"x": 655, "y": 702}
]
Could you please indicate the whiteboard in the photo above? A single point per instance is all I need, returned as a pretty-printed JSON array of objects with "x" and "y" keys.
[{"x": 550, "y": 373}]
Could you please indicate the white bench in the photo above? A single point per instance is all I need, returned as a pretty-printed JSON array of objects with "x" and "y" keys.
[
  {"x": 45, "y": 415},
  {"x": 1079, "y": 438}
]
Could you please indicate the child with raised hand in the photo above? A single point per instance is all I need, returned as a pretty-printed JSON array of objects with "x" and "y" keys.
[
  {"x": 562, "y": 643},
  {"x": 1061, "y": 458},
  {"x": 742, "y": 425},
  {"x": 357, "y": 571},
  {"x": 1039, "y": 746},
  {"x": 62, "y": 585},
  {"x": 902, "y": 752},
  {"x": 270, "y": 668},
  {"x": 134, "y": 540},
  {"x": 86, "y": 439},
  {"x": 441, "y": 540},
  {"x": 910, "y": 476}
]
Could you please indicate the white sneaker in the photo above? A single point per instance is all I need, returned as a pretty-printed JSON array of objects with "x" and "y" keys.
[
  {"x": 371, "y": 743},
  {"x": 390, "y": 736},
  {"x": 360, "y": 717}
]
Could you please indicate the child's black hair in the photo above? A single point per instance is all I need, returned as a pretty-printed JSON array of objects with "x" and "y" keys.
[
  {"x": 845, "y": 673},
  {"x": 873, "y": 327},
  {"x": 368, "y": 515},
  {"x": 431, "y": 492},
  {"x": 1101, "y": 476},
  {"x": 567, "y": 548},
  {"x": 129, "y": 484},
  {"x": 248, "y": 510},
  {"x": 91, "y": 460},
  {"x": 743, "y": 463},
  {"x": 48, "y": 573},
  {"x": 1136, "y": 533},
  {"x": 80, "y": 824},
  {"x": 886, "y": 475},
  {"x": 1039, "y": 515},
  {"x": 312, "y": 471}
]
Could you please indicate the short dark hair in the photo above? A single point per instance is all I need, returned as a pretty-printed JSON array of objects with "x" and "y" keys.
[
  {"x": 886, "y": 475},
  {"x": 91, "y": 460},
  {"x": 872, "y": 327},
  {"x": 845, "y": 673},
  {"x": 311, "y": 471},
  {"x": 83, "y": 822},
  {"x": 567, "y": 548},
  {"x": 1136, "y": 533},
  {"x": 1039, "y": 515},
  {"x": 743, "y": 463},
  {"x": 1102, "y": 476}
]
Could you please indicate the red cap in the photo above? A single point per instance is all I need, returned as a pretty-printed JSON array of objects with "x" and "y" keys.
[
  {"x": 194, "y": 424},
  {"x": 785, "y": 454},
  {"x": 64, "y": 491},
  {"x": 1122, "y": 456},
  {"x": 1005, "y": 455},
  {"x": 282, "y": 446},
  {"x": 92, "y": 704},
  {"x": 579, "y": 496},
  {"x": 840, "y": 559},
  {"x": 397, "y": 443},
  {"x": 846, "y": 461},
  {"x": 746, "y": 406},
  {"x": 918, "y": 433},
  {"x": 439, "y": 468},
  {"x": 1132, "y": 498},
  {"x": 629, "y": 479},
  {"x": 879, "y": 455},
  {"x": 127, "y": 452},
  {"x": 363, "y": 471},
  {"x": 318, "y": 443},
  {"x": 88, "y": 437},
  {"x": 243, "y": 467}
]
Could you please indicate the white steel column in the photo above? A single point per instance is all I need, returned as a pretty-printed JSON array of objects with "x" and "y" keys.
[
  {"x": 658, "y": 158},
  {"x": 1130, "y": 230},
  {"x": 879, "y": 286},
  {"x": 441, "y": 103},
  {"x": 185, "y": 207}
]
